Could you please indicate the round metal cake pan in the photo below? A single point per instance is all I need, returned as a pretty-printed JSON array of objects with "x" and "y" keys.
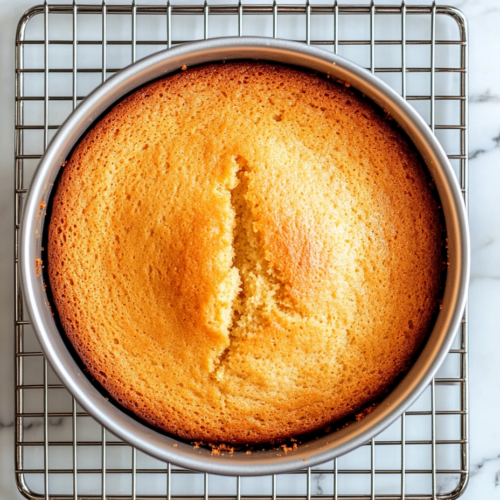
[{"x": 168, "y": 448}]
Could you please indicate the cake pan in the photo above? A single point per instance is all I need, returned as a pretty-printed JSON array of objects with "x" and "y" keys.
[{"x": 154, "y": 442}]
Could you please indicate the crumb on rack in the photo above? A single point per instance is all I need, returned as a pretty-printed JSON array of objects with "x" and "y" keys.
[
  {"x": 64, "y": 163},
  {"x": 248, "y": 452},
  {"x": 184, "y": 68},
  {"x": 175, "y": 445},
  {"x": 38, "y": 266},
  {"x": 42, "y": 205}
]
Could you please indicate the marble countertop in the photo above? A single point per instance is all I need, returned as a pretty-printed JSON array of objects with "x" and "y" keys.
[{"x": 484, "y": 207}]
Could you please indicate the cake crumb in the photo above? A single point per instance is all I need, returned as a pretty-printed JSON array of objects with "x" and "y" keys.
[
  {"x": 175, "y": 445},
  {"x": 248, "y": 452},
  {"x": 363, "y": 413},
  {"x": 38, "y": 266},
  {"x": 184, "y": 68},
  {"x": 42, "y": 205},
  {"x": 218, "y": 448},
  {"x": 50, "y": 308},
  {"x": 64, "y": 163}
]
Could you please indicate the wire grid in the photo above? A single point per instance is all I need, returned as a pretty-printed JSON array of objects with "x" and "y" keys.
[{"x": 61, "y": 452}]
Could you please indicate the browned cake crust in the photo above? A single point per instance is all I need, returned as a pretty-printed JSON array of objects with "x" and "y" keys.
[{"x": 245, "y": 252}]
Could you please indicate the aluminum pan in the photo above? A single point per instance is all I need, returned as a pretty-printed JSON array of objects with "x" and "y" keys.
[{"x": 259, "y": 462}]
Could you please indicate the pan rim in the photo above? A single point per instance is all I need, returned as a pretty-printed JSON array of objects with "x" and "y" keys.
[{"x": 310, "y": 453}]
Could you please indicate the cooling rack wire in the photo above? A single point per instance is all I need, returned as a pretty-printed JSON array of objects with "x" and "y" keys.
[{"x": 62, "y": 53}]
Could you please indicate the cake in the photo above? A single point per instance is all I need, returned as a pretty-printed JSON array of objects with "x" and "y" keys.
[{"x": 244, "y": 252}]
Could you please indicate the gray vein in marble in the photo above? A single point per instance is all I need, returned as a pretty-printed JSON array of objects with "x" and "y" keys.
[
  {"x": 446, "y": 484},
  {"x": 31, "y": 425},
  {"x": 486, "y": 244},
  {"x": 477, "y": 468},
  {"x": 38, "y": 423},
  {"x": 318, "y": 479},
  {"x": 484, "y": 97},
  {"x": 478, "y": 152}
]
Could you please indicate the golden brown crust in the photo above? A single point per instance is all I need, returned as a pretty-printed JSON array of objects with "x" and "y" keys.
[{"x": 244, "y": 252}]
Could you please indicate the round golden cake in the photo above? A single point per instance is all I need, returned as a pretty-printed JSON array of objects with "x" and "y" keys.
[{"x": 245, "y": 252}]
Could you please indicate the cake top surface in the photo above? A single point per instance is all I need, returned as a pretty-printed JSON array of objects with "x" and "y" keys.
[{"x": 244, "y": 252}]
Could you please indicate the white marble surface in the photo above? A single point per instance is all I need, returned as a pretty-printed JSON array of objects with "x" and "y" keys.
[{"x": 484, "y": 20}]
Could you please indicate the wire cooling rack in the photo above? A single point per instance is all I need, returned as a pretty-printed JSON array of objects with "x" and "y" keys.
[{"x": 62, "y": 53}]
